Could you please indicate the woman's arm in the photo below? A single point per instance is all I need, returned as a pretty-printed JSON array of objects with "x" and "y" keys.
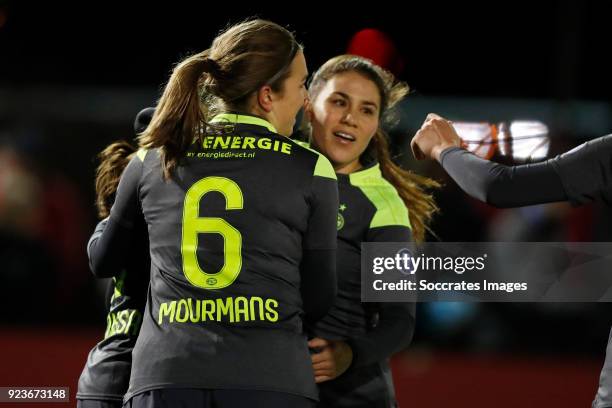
[
  {"x": 108, "y": 248},
  {"x": 581, "y": 175},
  {"x": 503, "y": 186},
  {"x": 392, "y": 332},
  {"x": 318, "y": 267}
]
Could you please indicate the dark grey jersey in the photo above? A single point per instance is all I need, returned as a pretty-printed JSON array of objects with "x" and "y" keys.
[
  {"x": 106, "y": 374},
  {"x": 370, "y": 210},
  {"x": 246, "y": 223}
]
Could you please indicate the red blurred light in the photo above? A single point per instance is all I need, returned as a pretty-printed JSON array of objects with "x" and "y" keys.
[{"x": 377, "y": 46}]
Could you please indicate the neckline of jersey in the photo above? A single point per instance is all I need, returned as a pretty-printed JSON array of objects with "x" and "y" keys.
[
  {"x": 243, "y": 119},
  {"x": 359, "y": 177}
]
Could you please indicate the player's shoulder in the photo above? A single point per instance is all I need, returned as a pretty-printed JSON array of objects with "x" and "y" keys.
[
  {"x": 147, "y": 156},
  {"x": 322, "y": 166},
  {"x": 390, "y": 209}
]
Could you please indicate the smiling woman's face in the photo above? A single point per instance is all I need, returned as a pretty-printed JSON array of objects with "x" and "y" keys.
[{"x": 344, "y": 116}]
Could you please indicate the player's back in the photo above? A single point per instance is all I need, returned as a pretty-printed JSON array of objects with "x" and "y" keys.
[{"x": 227, "y": 234}]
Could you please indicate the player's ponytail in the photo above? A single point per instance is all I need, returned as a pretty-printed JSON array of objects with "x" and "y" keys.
[
  {"x": 179, "y": 115},
  {"x": 242, "y": 59}
]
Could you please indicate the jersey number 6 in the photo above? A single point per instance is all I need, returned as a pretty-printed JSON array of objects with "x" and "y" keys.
[{"x": 193, "y": 225}]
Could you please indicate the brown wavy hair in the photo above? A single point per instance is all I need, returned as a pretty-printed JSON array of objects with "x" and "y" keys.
[
  {"x": 113, "y": 160},
  {"x": 241, "y": 59},
  {"x": 411, "y": 187}
]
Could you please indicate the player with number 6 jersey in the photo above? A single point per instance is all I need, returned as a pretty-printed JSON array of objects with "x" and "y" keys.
[{"x": 242, "y": 232}]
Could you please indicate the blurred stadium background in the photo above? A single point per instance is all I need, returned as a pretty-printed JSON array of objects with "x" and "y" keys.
[{"x": 72, "y": 79}]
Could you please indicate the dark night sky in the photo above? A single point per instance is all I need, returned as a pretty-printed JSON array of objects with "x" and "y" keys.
[{"x": 534, "y": 50}]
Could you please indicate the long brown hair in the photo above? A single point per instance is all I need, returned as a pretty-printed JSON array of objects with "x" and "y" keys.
[
  {"x": 113, "y": 160},
  {"x": 243, "y": 58},
  {"x": 411, "y": 187}
]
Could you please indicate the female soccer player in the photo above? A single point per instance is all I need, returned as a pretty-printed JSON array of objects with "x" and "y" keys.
[
  {"x": 379, "y": 202},
  {"x": 106, "y": 375},
  {"x": 581, "y": 175},
  {"x": 241, "y": 224}
]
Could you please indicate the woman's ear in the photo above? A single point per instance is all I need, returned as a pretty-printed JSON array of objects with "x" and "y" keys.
[
  {"x": 308, "y": 109},
  {"x": 264, "y": 98}
]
